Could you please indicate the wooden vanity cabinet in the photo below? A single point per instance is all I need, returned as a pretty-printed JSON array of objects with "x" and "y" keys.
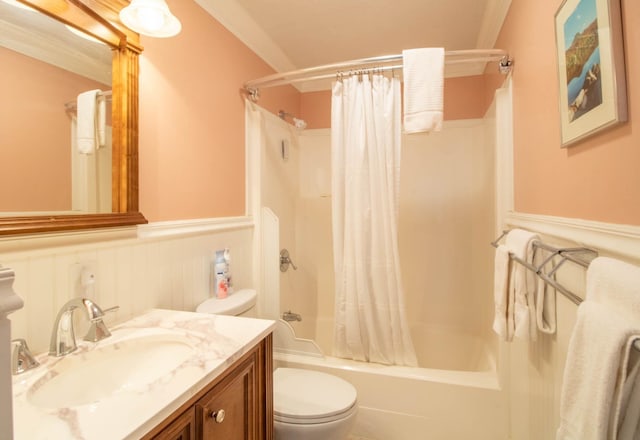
[{"x": 237, "y": 405}]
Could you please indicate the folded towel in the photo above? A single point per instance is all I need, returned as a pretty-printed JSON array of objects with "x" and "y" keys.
[
  {"x": 592, "y": 399},
  {"x": 522, "y": 284},
  {"x": 545, "y": 298},
  {"x": 501, "y": 293},
  {"x": 423, "y": 72},
  {"x": 86, "y": 127}
]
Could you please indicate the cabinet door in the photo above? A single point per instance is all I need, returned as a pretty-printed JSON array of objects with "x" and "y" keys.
[
  {"x": 229, "y": 410},
  {"x": 182, "y": 428}
]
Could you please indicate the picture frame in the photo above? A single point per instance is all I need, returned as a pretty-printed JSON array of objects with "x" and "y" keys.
[{"x": 591, "y": 70}]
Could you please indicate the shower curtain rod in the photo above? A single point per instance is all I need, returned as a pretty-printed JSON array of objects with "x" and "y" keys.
[{"x": 379, "y": 63}]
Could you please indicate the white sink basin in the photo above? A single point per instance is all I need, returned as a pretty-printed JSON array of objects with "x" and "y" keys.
[{"x": 129, "y": 365}]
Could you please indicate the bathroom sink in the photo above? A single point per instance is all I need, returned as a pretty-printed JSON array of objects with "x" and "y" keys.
[{"x": 128, "y": 365}]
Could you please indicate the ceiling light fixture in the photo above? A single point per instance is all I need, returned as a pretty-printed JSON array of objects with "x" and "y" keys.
[{"x": 150, "y": 17}]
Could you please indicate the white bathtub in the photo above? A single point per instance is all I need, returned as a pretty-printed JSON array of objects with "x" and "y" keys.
[{"x": 403, "y": 403}]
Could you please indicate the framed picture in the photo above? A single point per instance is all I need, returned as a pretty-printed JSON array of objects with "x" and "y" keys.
[{"x": 591, "y": 71}]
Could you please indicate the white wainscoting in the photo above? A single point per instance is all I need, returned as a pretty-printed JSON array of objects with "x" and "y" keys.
[
  {"x": 535, "y": 369},
  {"x": 160, "y": 265}
]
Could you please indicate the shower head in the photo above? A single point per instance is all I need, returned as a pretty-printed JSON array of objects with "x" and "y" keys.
[{"x": 300, "y": 124}]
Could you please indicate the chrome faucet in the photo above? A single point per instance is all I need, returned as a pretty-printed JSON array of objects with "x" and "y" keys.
[
  {"x": 22, "y": 360},
  {"x": 63, "y": 339},
  {"x": 291, "y": 316}
]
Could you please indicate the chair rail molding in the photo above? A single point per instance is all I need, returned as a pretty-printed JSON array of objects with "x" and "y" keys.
[{"x": 607, "y": 238}]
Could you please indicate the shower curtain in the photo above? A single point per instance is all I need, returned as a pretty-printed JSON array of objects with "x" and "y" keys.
[{"x": 370, "y": 321}]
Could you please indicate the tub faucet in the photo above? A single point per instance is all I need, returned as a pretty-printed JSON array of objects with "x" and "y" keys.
[
  {"x": 291, "y": 316},
  {"x": 63, "y": 339}
]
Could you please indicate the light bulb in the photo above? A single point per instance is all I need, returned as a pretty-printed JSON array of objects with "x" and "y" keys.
[{"x": 150, "y": 19}]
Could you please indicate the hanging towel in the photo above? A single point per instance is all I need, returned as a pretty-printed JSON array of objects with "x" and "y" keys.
[
  {"x": 545, "y": 298},
  {"x": 591, "y": 402},
  {"x": 501, "y": 293},
  {"x": 423, "y": 72},
  {"x": 86, "y": 126},
  {"x": 629, "y": 420},
  {"x": 101, "y": 121},
  {"x": 522, "y": 283}
]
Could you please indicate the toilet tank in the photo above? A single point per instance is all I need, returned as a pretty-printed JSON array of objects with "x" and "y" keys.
[{"x": 239, "y": 303}]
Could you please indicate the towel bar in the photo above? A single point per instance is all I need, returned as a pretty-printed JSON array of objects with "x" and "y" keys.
[{"x": 566, "y": 254}]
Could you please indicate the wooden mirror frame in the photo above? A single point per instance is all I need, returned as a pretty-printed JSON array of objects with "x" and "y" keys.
[{"x": 99, "y": 18}]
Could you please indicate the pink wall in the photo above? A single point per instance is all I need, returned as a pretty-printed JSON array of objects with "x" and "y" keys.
[
  {"x": 597, "y": 179},
  {"x": 192, "y": 147},
  {"x": 463, "y": 99},
  {"x": 36, "y": 162}
]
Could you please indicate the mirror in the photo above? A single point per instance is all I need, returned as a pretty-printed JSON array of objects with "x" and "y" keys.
[{"x": 50, "y": 181}]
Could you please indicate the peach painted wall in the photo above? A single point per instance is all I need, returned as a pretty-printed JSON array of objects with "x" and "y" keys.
[
  {"x": 597, "y": 179},
  {"x": 36, "y": 149},
  {"x": 463, "y": 99},
  {"x": 192, "y": 148}
]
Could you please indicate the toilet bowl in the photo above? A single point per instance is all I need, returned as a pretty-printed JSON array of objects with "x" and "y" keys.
[
  {"x": 308, "y": 405},
  {"x": 311, "y": 405}
]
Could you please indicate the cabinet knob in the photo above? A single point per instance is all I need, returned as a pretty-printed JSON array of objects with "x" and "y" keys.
[{"x": 218, "y": 416}]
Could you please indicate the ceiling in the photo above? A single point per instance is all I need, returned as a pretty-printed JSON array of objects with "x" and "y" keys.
[
  {"x": 39, "y": 36},
  {"x": 295, "y": 34}
]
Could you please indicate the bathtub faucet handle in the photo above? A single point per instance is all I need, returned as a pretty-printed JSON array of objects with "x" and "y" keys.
[{"x": 285, "y": 261}]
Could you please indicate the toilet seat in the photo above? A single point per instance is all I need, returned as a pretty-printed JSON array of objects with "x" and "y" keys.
[{"x": 310, "y": 397}]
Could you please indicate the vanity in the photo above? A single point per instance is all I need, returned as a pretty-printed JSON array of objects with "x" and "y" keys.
[{"x": 162, "y": 375}]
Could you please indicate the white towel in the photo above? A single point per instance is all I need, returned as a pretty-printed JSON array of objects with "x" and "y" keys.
[
  {"x": 545, "y": 298},
  {"x": 522, "y": 283},
  {"x": 101, "y": 121},
  {"x": 628, "y": 428},
  {"x": 87, "y": 117},
  {"x": 501, "y": 292},
  {"x": 591, "y": 402},
  {"x": 423, "y": 72}
]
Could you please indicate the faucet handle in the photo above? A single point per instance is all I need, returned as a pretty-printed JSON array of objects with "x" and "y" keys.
[
  {"x": 98, "y": 329},
  {"x": 22, "y": 360}
]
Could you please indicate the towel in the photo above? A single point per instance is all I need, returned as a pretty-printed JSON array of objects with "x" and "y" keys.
[
  {"x": 423, "y": 72},
  {"x": 101, "y": 120},
  {"x": 628, "y": 428},
  {"x": 545, "y": 298},
  {"x": 501, "y": 293},
  {"x": 596, "y": 372},
  {"x": 522, "y": 283},
  {"x": 87, "y": 117}
]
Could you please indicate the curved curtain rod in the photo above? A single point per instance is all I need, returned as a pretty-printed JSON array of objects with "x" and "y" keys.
[{"x": 319, "y": 72}]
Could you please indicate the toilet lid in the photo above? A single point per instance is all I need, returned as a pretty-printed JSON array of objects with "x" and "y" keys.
[
  {"x": 234, "y": 304},
  {"x": 303, "y": 395}
]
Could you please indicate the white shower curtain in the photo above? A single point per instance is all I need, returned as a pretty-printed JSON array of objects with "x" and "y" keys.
[{"x": 370, "y": 321}]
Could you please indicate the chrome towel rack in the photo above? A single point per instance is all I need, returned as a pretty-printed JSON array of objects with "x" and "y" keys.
[{"x": 581, "y": 256}]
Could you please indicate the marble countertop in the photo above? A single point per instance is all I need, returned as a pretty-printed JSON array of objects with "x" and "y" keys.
[{"x": 216, "y": 341}]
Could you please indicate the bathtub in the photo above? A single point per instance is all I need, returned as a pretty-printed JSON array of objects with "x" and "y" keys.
[{"x": 404, "y": 403}]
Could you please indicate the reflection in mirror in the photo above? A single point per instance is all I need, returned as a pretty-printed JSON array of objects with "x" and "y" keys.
[{"x": 46, "y": 116}]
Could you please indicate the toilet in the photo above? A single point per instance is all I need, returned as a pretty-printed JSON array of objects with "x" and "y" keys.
[
  {"x": 308, "y": 405},
  {"x": 311, "y": 405}
]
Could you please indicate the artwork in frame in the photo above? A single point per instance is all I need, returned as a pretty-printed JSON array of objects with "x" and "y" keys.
[{"x": 591, "y": 69}]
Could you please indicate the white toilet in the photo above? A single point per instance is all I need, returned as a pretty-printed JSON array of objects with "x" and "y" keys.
[{"x": 307, "y": 404}]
